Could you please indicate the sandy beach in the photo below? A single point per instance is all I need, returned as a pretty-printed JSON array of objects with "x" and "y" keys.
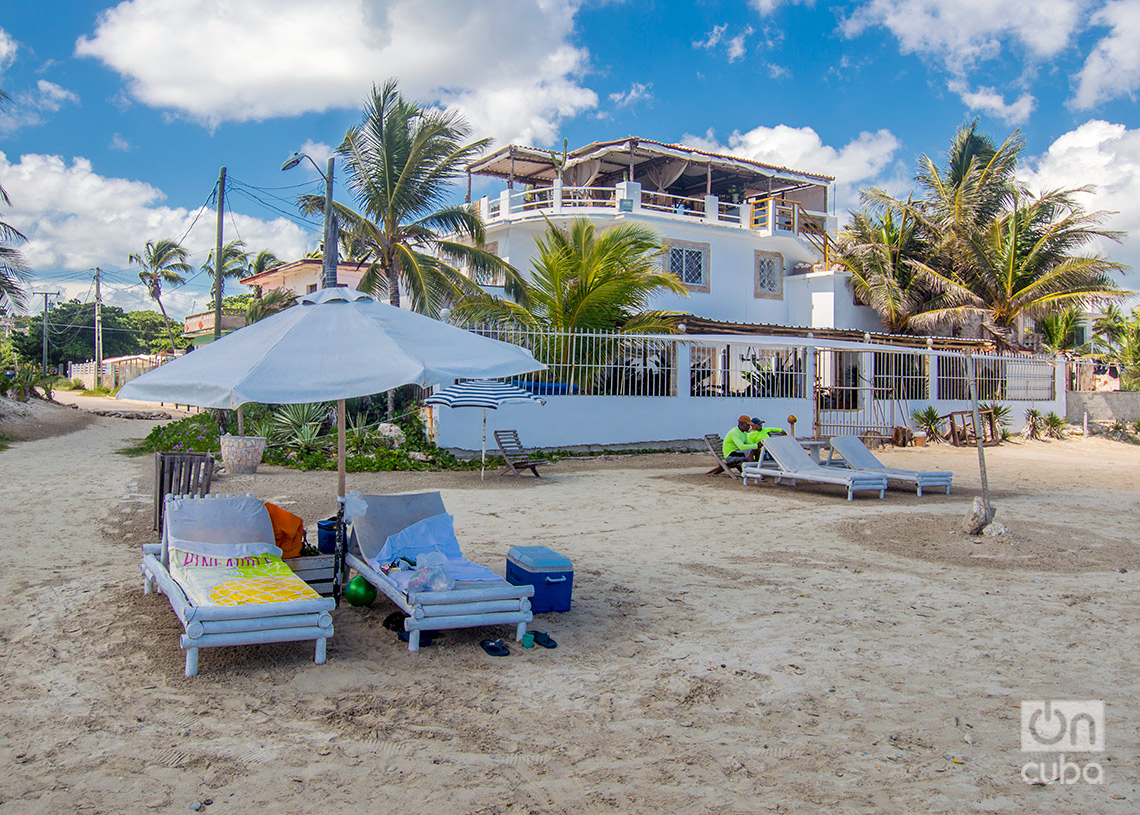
[{"x": 730, "y": 649}]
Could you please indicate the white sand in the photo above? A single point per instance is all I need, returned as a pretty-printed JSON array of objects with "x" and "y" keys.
[{"x": 767, "y": 649}]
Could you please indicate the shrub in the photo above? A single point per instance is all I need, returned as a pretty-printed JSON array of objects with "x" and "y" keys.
[
  {"x": 194, "y": 434},
  {"x": 1054, "y": 426},
  {"x": 1034, "y": 424},
  {"x": 929, "y": 422}
]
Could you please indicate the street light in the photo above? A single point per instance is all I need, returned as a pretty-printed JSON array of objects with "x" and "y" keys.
[{"x": 328, "y": 266}]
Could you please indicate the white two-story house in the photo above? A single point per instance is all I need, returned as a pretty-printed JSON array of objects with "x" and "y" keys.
[{"x": 752, "y": 242}]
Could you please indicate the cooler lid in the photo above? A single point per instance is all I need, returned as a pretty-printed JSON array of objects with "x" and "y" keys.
[{"x": 539, "y": 558}]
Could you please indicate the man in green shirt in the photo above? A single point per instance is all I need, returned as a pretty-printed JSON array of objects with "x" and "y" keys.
[
  {"x": 737, "y": 446},
  {"x": 759, "y": 432}
]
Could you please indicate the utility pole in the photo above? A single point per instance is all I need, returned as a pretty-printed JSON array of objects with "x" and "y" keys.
[
  {"x": 332, "y": 245},
  {"x": 46, "y": 295},
  {"x": 98, "y": 332},
  {"x": 218, "y": 257}
]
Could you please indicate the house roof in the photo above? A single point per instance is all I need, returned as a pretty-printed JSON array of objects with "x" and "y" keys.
[
  {"x": 302, "y": 265},
  {"x": 535, "y": 166}
]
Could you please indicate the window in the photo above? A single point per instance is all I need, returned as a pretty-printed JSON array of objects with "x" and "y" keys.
[
  {"x": 489, "y": 278},
  {"x": 769, "y": 275},
  {"x": 689, "y": 262},
  {"x": 312, "y": 287}
]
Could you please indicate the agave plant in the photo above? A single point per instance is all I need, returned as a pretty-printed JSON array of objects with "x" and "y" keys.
[
  {"x": 359, "y": 436},
  {"x": 1034, "y": 424},
  {"x": 929, "y": 422},
  {"x": 24, "y": 383},
  {"x": 1135, "y": 426},
  {"x": 1002, "y": 413},
  {"x": 289, "y": 419},
  {"x": 1054, "y": 425},
  {"x": 306, "y": 439}
]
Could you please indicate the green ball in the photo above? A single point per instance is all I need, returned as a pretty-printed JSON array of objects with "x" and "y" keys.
[{"x": 359, "y": 592}]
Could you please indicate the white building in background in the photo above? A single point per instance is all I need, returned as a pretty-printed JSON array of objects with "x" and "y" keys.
[{"x": 752, "y": 242}]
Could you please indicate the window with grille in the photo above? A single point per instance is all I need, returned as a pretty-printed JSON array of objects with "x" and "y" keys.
[
  {"x": 689, "y": 262},
  {"x": 490, "y": 277},
  {"x": 769, "y": 274}
]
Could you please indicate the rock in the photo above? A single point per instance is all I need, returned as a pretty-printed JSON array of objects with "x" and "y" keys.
[
  {"x": 392, "y": 432},
  {"x": 977, "y": 518},
  {"x": 194, "y": 807},
  {"x": 994, "y": 529},
  {"x": 416, "y": 455}
]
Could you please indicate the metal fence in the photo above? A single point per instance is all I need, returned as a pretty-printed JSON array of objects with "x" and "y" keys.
[{"x": 594, "y": 363}]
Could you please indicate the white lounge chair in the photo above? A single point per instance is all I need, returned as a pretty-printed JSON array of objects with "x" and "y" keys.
[
  {"x": 857, "y": 456},
  {"x": 792, "y": 464},
  {"x": 479, "y": 596},
  {"x": 228, "y": 584}
]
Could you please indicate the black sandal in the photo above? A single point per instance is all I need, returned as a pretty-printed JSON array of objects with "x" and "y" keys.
[{"x": 495, "y": 648}]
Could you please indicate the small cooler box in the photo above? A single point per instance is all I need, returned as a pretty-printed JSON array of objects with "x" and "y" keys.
[{"x": 551, "y": 574}]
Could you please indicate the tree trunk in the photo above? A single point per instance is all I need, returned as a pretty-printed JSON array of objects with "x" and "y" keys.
[
  {"x": 394, "y": 300},
  {"x": 166, "y": 322}
]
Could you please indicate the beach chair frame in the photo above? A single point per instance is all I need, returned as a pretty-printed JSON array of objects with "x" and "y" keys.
[
  {"x": 791, "y": 463},
  {"x": 856, "y": 455}
]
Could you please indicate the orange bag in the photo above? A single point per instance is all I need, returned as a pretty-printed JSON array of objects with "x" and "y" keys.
[{"x": 288, "y": 530}]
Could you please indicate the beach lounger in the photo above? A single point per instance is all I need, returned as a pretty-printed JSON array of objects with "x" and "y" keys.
[
  {"x": 218, "y": 566},
  {"x": 716, "y": 449},
  {"x": 516, "y": 457},
  {"x": 857, "y": 456},
  {"x": 792, "y": 463},
  {"x": 383, "y": 528}
]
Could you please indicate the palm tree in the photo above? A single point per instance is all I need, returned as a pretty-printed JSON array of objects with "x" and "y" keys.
[
  {"x": 1059, "y": 331},
  {"x": 877, "y": 248},
  {"x": 583, "y": 281},
  {"x": 13, "y": 269},
  {"x": 400, "y": 162},
  {"x": 235, "y": 265},
  {"x": 163, "y": 261},
  {"x": 270, "y": 303},
  {"x": 1023, "y": 264},
  {"x": 261, "y": 262},
  {"x": 1109, "y": 327}
]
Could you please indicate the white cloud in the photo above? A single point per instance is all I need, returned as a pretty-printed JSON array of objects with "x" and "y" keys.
[
  {"x": 638, "y": 92},
  {"x": 8, "y": 50},
  {"x": 28, "y": 108},
  {"x": 734, "y": 46},
  {"x": 120, "y": 143},
  {"x": 989, "y": 100},
  {"x": 766, "y": 7},
  {"x": 1105, "y": 155},
  {"x": 859, "y": 163},
  {"x": 75, "y": 219},
  {"x": 961, "y": 33},
  {"x": 510, "y": 65},
  {"x": 1113, "y": 67}
]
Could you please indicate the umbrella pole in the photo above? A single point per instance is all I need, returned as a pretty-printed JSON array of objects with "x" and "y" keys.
[
  {"x": 483, "y": 458},
  {"x": 338, "y": 560}
]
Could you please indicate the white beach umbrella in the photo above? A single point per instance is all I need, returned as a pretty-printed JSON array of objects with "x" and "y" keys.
[{"x": 482, "y": 393}]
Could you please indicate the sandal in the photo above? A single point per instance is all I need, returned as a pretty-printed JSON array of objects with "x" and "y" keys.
[
  {"x": 395, "y": 621},
  {"x": 495, "y": 648},
  {"x": 544, "y": 640}
]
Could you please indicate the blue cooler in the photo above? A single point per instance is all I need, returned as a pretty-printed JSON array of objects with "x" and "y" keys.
[{"x": 551, "y": 574}]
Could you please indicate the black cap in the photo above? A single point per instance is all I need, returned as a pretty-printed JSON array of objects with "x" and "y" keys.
[{"x": 757, "y": 422}]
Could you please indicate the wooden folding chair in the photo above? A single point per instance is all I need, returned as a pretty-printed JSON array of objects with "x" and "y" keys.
[
  {"x": 180, "y": 474},
  {"x": 716, "y": 445},
  {"x": 516, "y": 457}
]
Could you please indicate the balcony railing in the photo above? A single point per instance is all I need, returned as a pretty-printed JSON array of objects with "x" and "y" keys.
[{"x": 770, "y": 215}]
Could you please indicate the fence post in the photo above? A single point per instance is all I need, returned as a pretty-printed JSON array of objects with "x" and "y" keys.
[{"x": 683, "y": 387}]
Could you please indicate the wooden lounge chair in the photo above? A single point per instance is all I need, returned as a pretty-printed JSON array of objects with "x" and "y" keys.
[
  {"x": 471, "y": 603},
  {"x": 716, "y": 447},
  {"x": 792, "y": 464},
  {"x": 856, "y": 455},
  {"x": 224, "y": 581},
  {"x": 516, "y": 457},
  {"x": 180, "y": 474}
]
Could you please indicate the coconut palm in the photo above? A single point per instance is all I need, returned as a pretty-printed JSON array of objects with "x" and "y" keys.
[
  {"x": 1059, "y": 331},
  {"x": 163, "y": 261},
  {"x": 1023, "y": 264},
  {"x": 235, "y": 265},
  {"x": 1109, "y": 327},
  {"x": 583, "y": 281},
  {"x": 877, "y": 248},
  {"x": 13, "y": 269},
  {"x": 400, "y": 162},
  {"x": 269, "y": 303},
  {"x": 261, "y": 262}
]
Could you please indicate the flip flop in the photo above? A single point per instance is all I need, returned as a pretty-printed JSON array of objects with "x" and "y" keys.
[
  {"x": 495, "y": 648},
  {"x": 544, "y": 640},
  {"x": 395, "y": 621}
]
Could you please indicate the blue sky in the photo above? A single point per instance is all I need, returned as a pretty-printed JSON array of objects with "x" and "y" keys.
[{"x": 123, "y": 113}]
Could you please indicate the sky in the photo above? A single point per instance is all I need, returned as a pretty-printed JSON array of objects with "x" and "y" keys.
[{"x": 122, "y": 114}]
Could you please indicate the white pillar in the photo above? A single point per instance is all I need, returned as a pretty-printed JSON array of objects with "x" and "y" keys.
[
  {"x": 712, "y": 209},
  {"x": 505, "y": 205},
  {"x": 556, "y": 196},
  {"x": 631, "y": 191},
  {"x": 684, "y": 386}
]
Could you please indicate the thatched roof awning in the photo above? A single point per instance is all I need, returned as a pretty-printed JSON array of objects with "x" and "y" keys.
[{"x": 701, "y": 326}]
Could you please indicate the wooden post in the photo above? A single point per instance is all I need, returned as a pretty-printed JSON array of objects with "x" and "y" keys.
[{"x": 970, "y": 375}]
